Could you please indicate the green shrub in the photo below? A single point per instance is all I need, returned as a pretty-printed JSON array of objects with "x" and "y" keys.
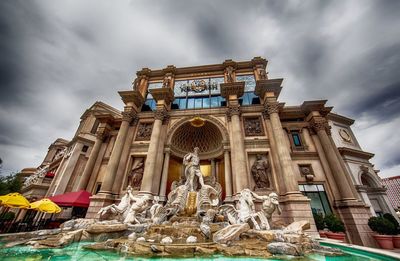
[
  {"x": 334, "y": 224},
  {"x": 319, "y": 221},
  {"x": 8, "y": 216},
  {"x": 382, "y": 226},
  {"x": 392, "y": 219}
]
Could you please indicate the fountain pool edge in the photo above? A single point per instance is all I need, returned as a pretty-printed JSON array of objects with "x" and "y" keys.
[{"x": 374, "y": 252}]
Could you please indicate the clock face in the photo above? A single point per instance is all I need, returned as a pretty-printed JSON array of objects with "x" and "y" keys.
[{"x": 345, "y": 135}]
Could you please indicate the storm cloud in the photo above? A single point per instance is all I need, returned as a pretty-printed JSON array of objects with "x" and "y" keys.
[{"x": 59, "y": 57}]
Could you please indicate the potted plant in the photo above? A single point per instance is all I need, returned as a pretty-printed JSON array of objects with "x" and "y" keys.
[
  {"x": 385, "y": 230},
  {"x": 336, "y": 227},
  {"x": 319, "y": 222},
  {"x": 396, "y": 232}
]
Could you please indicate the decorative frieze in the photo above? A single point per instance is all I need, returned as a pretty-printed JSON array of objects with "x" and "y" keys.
[
  {"x": 253, "y": 126},
  {"x": 144, "y": 131}
]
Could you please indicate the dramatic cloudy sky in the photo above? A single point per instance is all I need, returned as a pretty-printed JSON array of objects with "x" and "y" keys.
[{"x": 58, "y": 57}]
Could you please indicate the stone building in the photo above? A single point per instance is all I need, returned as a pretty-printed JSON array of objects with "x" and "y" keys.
[
  {"x": 247, "y": 138},
  {"x": 393, "y": 190}
]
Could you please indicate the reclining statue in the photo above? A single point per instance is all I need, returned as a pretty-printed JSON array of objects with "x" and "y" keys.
[
  {"x": 140, "y": 204},
  {"x": 121, "y": 209}
]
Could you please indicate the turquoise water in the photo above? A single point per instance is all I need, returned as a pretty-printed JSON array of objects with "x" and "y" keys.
[{"x": 75, "y": 252}]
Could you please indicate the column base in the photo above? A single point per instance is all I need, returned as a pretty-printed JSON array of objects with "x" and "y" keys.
[
  {"x": 97, "y": 202},
  {"x": 355, "y": 215},
  {"x": 296, "y": 207}
]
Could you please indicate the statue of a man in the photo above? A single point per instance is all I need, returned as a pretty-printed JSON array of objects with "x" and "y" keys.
[
  {"x": 259, "y": 170},
  {"x": 136, "y": 175},
  {"x": 191, "y": 161},
  {"x": 270, "y": 205},
  {"x": 229, "y": 74}
]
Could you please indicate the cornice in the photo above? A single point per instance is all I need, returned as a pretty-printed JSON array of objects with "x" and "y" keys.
[
  {"x": 355, "y": 153},
  {"x": 211, "y": 68},
  {"x": 340, "y": 119}
]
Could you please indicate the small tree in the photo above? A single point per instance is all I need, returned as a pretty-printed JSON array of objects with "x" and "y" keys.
[
  {"x": 319, "y": 221},
  {"x": 381, "y": 226},
  {"x": 334, "y": 224},
  {"x": 10, "y": 183},
  {"x": 393, "y": 220}
]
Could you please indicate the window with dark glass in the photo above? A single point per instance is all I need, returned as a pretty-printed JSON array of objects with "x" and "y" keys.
[
  {"x": 85, "y": 148},
  {"x": 317, "y": 195},
  {"x": 95, "y": 126},
  {"x": 296, "y": 139}
]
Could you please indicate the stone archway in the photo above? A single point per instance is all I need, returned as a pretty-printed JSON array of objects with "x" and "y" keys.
[
  {"x": 372, "y": 192},
  {"x": 210, "y": 138}
]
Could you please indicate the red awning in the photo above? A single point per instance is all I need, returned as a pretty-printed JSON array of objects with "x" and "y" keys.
[
  {"x": 72, "y": 199},
  {"x": 50, "y": 174}
]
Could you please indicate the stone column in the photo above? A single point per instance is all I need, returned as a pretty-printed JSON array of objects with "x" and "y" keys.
[
  {"x": 133, "y": 101},
  {"x": 151, "y": 159},
  {"x": 239, "y": 165},
  {"x": 164, "y": 97},
  {"x": 102, "y": 131},
  {"x": 68, "y": 168},
  {"x": 164, "y": 178},
  {"x": 289, "y": 176},
  {"x": 320, "y": 126},
  {"x": 127, "y": 116},
  {"x": 295, "y": 206},
  {"x": 228, "y": 175},
  {"x": 278, "y": 182},
  {"x": 213, "y": 169},
  {"x": 353, "y": 212}
]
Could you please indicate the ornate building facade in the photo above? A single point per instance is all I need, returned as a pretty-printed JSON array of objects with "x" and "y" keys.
[{"x": 246, "y": 138}]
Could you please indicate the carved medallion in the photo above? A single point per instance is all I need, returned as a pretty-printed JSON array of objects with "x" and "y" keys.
[
  {"x": 144, "y": 131},
  {"x": 345, "y": 135},
  {"x": 253, "y": 127}
]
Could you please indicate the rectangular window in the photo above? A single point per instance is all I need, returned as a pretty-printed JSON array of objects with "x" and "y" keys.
[
  {"x": 206, "y": 102},
  {"x": 94, "y": 128},
  {"x": 296, "y": 139},
  {"x": 190, "y": 103},
  {"x": 85, "y": 148},
  {"x": 198, "y": 103},
  {"x": 182, "y": 103}
]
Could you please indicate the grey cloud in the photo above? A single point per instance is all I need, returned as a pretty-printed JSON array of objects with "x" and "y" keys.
[{"x": 58, "y": 58}]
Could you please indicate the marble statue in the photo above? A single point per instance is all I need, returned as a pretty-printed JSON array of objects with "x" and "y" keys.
[
  {"x": 122, "y": 208},
  {"x": 191, "y": 161},
  {"x": 136, "y": 175},
  {"x": 158, "y": 213},
  {"x": 37, "y": 176},
  {"x": 140, "y": 203},
  {"x": 260, "y": 171},
  {"x": 229, "y": 74},
  {"x": 177, "y": 198},
  {"x": 166, "y": 82},
  {"x": 208, "y": 197},
  {"x": 246, "y": 212}
]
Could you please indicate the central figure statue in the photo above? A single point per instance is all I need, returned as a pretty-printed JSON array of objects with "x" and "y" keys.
[{"x": 191, "y": 161}]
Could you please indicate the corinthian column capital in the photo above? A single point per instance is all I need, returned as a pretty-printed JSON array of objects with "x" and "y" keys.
[
  {"x": 272, "y": 107},
  {"x": 128, "y": 114},
  {"x": 161, "y": 114},
  {"x": 233, "y": 110},
  {"x": 320, "y": 123}
]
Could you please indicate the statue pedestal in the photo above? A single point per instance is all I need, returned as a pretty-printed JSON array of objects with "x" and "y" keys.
[
  {"x": 296, "y": 207},
  {"x": 97, "y": 202}
]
